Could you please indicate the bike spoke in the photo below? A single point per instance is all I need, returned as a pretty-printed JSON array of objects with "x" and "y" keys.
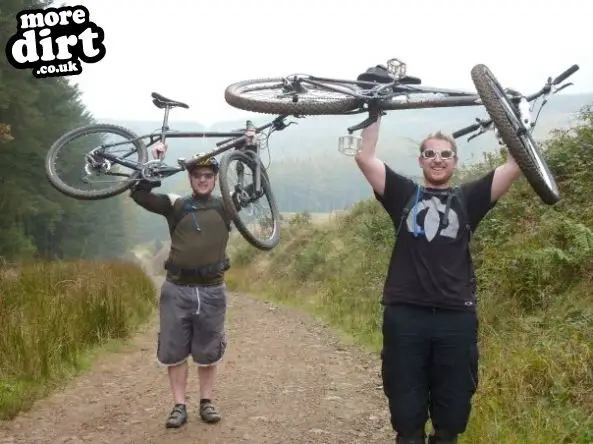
[
  {"x": 79, "y": 162},
  {"x": 275, "y": 91}
]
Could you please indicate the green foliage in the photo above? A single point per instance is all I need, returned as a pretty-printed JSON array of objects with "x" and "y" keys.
[
  {"x": 34, "y": 218},
  {"x": 52, "y": 313},
  {"x": 535, "y": 272},
  {"x": 301, "y": 219}
]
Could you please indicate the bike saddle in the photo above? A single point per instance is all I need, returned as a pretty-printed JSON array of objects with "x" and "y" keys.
[
  {"x": 379, "y": 74},
  {"x": 163, "y": 102}
]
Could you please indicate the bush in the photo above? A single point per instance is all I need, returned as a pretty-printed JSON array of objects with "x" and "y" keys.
[{"x": 51, "y": 313}]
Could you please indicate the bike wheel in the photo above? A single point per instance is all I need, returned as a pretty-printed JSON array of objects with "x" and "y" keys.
[
  {"x": 520, "y": 143},
  {"x": 79, "y": 158},
  {"x": 316, "y": 101},
  {"x": 239, "y": 197}
]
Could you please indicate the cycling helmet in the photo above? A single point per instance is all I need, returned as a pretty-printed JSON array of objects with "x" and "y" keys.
[{"x": 209, "y": 162}]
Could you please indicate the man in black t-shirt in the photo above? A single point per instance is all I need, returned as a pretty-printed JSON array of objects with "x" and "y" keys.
[{"x": 430, "y": 327}]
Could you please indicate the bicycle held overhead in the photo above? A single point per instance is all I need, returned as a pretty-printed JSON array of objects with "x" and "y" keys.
[
  {"x": 390, "y": 88},
  {"x": 242, "y": 146},
  {"x": 375, "y": 91}
]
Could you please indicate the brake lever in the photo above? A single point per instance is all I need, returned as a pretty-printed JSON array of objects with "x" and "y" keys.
[
  {"x": 560, "y": 88},
  {"x": 484, "y": 127},
  {"x": 473, "y": 136}
]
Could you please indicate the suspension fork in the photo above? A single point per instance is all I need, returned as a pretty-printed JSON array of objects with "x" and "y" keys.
[
  {"x": 257, "y": 182},
  {"x": 253, "y": 150}
]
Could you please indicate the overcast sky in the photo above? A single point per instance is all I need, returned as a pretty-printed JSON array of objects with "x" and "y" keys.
[{"x": 190, "y": 50}]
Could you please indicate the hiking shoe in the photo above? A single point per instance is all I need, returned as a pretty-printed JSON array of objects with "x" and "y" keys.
[
  {"x": 177, "y": 417},
  {"x": 209, "y": 412},
  {"x": 419, "y": 438}
]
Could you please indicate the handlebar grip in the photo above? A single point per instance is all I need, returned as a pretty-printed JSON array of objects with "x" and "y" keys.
[
  {"x": 467, "y": 130},
  {"x": 566, "y": 74}
]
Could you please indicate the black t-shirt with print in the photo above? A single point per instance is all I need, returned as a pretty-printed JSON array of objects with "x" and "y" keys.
[{"x": 433, "y": 269}]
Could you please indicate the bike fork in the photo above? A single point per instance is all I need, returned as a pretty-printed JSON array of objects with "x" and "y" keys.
[{"x": 257, "y": 181}]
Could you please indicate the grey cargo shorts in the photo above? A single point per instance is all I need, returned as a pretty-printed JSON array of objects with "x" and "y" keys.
[{"x": 192, "y": 322}]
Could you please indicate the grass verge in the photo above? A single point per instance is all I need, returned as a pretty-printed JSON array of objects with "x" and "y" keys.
[{"x": 55, "y": 315}]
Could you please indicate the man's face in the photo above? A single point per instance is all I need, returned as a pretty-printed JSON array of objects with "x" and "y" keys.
[
  {"x": 202, "y": 180},
  {"x": 438, "y": 162}
]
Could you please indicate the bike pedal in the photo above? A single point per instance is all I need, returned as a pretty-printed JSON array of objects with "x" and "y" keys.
[{"x": 349, "y": 145}]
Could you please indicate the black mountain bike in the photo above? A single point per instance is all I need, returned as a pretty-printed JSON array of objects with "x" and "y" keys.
[
  {"x": 97, "y": 159},
  {"x": 390, "y": 88}
]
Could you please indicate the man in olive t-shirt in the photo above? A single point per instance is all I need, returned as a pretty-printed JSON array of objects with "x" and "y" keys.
[{"x": 193, "y": 302}]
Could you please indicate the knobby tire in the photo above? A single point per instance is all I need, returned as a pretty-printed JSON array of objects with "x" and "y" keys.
[
  {"x": 234, "y": 96},
  {"x": 70, "y": 136},
  {"x": 529, "y": 158},
  {"x": 226, "y": 191}
]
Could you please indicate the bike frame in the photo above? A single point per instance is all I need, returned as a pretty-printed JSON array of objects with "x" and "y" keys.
[
  {"x": 235, "y": 139},
  {"x": 382, "y": 95}
]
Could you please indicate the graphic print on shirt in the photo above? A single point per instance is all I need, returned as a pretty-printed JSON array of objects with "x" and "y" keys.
[{"x": 432, "y": 209}]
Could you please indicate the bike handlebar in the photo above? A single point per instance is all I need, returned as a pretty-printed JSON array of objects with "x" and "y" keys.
[
  {"x": 277, "y": 123},
  {"x": 224, "y": 145},
  {"x": 469, "y": 129},
  {"x": 545, "y": 90},
  {"x": 566, "y": 74}
]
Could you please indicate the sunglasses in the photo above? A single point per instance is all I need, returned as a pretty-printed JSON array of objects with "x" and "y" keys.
[{"x": 431, "y": 154}]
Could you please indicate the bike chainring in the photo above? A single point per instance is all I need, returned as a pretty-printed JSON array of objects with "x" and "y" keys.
[{"x": 148, "y": 171}]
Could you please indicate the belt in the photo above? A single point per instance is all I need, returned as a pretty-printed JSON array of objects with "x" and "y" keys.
[{"x": 205, "y": 271}]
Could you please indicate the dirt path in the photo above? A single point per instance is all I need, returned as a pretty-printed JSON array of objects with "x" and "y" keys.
[{"x": 285, "y": 379}]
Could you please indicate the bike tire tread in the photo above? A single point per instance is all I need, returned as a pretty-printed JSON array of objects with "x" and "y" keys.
[
  {"x": 235, "y": 99},
  {"x": 225, "y": 191},
  {"x": 482, "y": 78},
  {"x": 77, "y": 193}
]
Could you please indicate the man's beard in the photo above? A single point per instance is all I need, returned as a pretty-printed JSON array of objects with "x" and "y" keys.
[
  {"x": 198, "y": 193},
  {"x": 437, "y": 182}
]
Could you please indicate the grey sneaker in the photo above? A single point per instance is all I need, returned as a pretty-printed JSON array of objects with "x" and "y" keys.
[
  {"x": 177, "y": 417},
  {"x": 209, "y": 413}
]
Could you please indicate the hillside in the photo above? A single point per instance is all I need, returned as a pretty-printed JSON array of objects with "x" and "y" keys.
[
  {"x": 534, "y": 266},
  {"x": 35, "y": 219}
]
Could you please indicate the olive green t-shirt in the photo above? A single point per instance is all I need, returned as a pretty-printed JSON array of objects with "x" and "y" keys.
[{"x": 199, "y": 235}]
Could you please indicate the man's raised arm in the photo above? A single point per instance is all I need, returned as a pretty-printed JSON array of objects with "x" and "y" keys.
[
  {"x": 504, "y": 176},
  {"x": 372, "y": 168},
  {"x": 155, "y": 203}
]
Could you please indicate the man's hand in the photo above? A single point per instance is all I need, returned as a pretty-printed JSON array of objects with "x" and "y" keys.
[
  {"x": 145, "y": 185},
  {"x": 372, "y": 168},
  {"x": 250, "y": 134},
  {"x": 158, "y": 150}
]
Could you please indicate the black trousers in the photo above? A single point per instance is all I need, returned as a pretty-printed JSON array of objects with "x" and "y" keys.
[{"x": 429, "y": 366}]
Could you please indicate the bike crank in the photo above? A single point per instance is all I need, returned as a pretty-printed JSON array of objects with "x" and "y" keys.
[{"x": 149, "y": 170}]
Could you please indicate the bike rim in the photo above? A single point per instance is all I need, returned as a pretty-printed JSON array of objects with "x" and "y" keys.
[
  {"x": 527, "y": 138},
  {"x": 83, "y": 170}
]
